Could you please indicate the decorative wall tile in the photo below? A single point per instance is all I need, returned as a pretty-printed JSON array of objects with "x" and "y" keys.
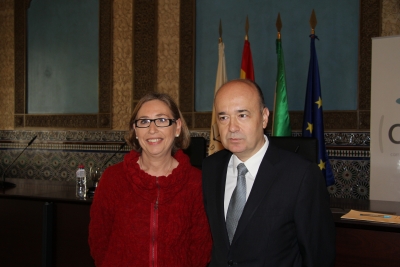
[
  {"x": 168, "y": 48},
  {"x": 122, "y": 64},
  {"x": 351, "y": 178},
  {"x": 144, "y": 44},
  {"x": 55, "y": 155},
  {"x": 6, "y": 64},
  {"x": 390, "y": 17},
  {"x": 41, "y": 164}
]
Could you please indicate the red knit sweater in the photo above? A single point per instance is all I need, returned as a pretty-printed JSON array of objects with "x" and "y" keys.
[{"x": 128, "y": 227}]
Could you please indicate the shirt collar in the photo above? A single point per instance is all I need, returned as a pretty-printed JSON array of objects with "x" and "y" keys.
[{"x": 254, "y": 162}]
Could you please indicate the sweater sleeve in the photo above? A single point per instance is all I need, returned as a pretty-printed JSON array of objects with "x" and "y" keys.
[
  {"x": 200, "y": 249},
  {"x": 101, "y": 219}
]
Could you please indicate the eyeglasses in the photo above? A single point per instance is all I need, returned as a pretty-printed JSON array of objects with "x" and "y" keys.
[{"x": 160, "y": 122}]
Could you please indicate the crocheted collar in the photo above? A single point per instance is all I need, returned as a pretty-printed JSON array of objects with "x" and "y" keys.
[{"x": 147, "y": 185}]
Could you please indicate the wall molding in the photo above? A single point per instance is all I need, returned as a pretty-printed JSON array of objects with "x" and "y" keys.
[{"x": 100, "y": 120}]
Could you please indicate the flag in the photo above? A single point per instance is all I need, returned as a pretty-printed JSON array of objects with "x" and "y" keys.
[
  {"x": 281, "y": 121},
  {"x": 215, "y": 139},
  {"x": 247, "y": 70},
  {"x": 313, "y": 123}
]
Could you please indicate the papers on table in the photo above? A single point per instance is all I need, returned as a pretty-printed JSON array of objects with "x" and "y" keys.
[{"x": 371, "y": 217}]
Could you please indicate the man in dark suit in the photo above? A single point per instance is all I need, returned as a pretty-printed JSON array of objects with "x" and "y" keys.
[{"x": 266, "y": 206}]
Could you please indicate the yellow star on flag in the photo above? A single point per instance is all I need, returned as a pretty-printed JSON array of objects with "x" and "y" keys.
[
  {"x": 309, "y": 127},
  {"x": 321, "y": 164},
  {"x": 319, "y": 102}
]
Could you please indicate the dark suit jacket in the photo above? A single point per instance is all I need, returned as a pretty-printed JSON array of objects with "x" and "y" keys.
[{"x": 286, "y": 220}]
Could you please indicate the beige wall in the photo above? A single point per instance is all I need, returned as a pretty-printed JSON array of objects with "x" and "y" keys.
[{"x": 168, "y": 55}]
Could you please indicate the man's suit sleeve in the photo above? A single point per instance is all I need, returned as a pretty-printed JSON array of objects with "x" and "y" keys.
[{"x": 314, "y": 221}]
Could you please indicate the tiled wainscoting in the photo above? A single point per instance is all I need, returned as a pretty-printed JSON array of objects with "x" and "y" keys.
[
  {"x": 55, "y": 155},
  {"x": 349, "y": 156}
]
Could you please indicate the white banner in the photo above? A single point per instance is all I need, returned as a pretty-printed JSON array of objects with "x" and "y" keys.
[{"x": 385, "y": 119}]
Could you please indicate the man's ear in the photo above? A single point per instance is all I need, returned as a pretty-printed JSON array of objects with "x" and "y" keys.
[{"x": 265, "y": 115}]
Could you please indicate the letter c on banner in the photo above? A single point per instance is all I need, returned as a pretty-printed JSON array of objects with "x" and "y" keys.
[{"x": 391, "y": 134}]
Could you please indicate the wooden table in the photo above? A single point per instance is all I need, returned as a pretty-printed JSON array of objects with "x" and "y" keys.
[
  {"x": 361, "y": 243},
  {"x": 42, "y": 223}
]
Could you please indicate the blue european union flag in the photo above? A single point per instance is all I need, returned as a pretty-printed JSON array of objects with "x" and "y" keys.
[{"x": 313, "y": 122}]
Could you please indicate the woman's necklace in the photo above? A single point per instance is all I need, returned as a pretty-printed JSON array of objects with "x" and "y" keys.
[{"x": 147, "y": 171}]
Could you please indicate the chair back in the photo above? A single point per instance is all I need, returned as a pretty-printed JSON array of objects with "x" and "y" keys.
[
  {"x": 306, "y": 146},
  {"x": 196, "y": 151}
]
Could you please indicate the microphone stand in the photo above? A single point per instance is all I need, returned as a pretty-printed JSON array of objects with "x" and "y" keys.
[
  {"x": 121, "y": 147},
  {"x": 93, "y": 188},
  {"x": 3, "y": 182}
]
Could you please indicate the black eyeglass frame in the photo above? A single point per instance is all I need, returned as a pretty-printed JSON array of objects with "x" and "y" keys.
[{"x": 155, "y": 122}]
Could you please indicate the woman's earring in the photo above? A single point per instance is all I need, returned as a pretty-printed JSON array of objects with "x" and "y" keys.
[
  {"x": 177, "y": 135},
  {"x": 137, "y": 137}
]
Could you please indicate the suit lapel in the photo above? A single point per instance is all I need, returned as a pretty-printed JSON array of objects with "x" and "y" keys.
[
  {"x": 265, "y": 178},
  {"x": 220, "y": 190}
]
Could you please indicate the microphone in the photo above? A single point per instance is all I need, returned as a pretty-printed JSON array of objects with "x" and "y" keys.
[
  {"x": 3, "y": 183},
  {"x": 95, "y": 179},
  {"x": 30, "y": 142},
  {"x": 120, "y": 147}
]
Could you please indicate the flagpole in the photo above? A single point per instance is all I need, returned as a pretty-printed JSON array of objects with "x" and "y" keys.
[
  {"x": 221, "y": 78},
  {"x": 313, "y": 21},
  {"x": 246, "y": 38},
  {"x": 278, "y": 37},
  {"x": 246, "y": 67},
  {"x": 313, "y": 123}
]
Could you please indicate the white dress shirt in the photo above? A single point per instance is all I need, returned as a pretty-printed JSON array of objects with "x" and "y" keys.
[{"x": 252, "y": 165}]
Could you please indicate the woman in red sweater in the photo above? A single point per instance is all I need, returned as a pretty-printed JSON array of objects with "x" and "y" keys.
[{"x": 148, "y": 210}]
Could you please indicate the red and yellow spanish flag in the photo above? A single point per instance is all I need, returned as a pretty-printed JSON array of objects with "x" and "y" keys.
[{"x": 247, "y": 70}]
